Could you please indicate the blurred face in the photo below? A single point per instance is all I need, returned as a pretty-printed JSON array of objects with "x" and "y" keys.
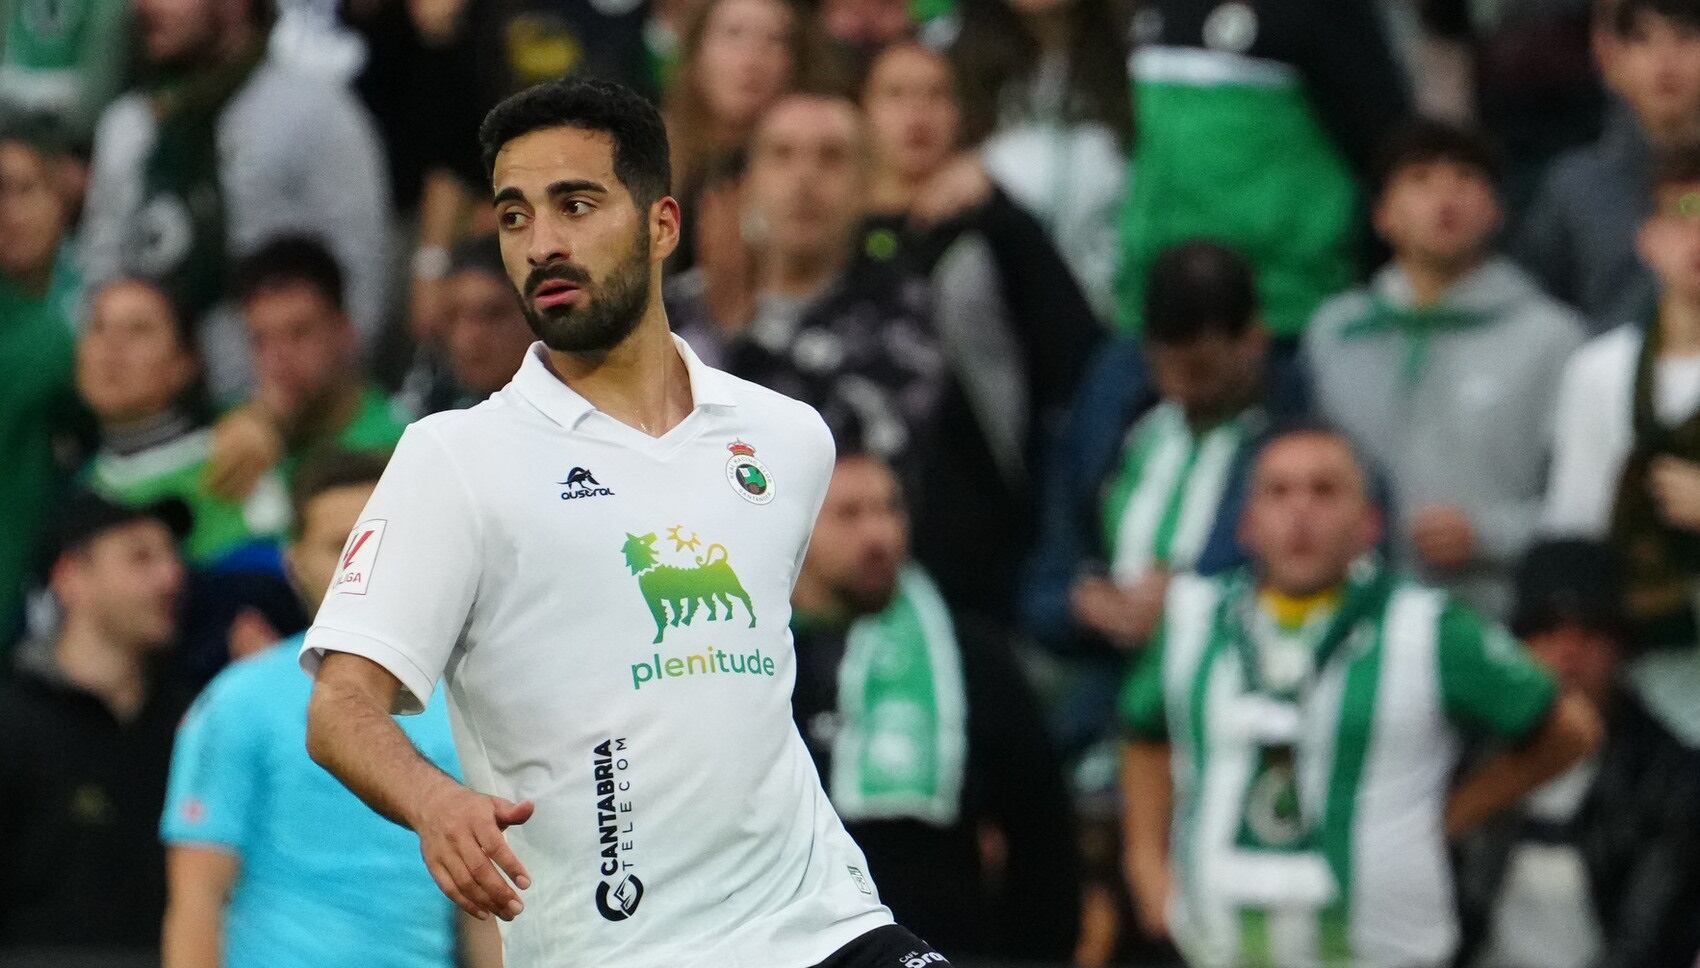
[
  {"x": 487, "y": 332},
  {"x": 314, "y": 557},
  {"x": 1656, "y": 68},
  {"x": 1212, "y": 377},
  {"x": 746, "y": 59},
  {"x": 581, "y": 254},
  {"x": 32, "y": 215},
  {"x": 303, "y": 346},
  {"x": 126, "y": 583},
  {"x": 910, "y": 99},
  {"x": 1308, "y": 517},
  {"x": 179, "y": 32},
  {"x": 861, "y": 538},
  {"x": 1584, "y": 660},
  {"x": 1669, "y": 241},
  {"x": 866, "y": 23},
  {"x": 806, "y": 176},
  {"x": 132, "y": 363},
  {"x": 1438, "y": 212}
]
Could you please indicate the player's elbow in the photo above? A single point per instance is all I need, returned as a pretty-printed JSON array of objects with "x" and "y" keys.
[{"x": 321, "y": 726}]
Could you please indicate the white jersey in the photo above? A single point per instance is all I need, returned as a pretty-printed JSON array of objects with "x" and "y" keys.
[{"x": 610, "y": 614}]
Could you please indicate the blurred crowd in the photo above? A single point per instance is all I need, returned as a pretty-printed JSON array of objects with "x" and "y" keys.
[{"x": 1122, "y": 311}]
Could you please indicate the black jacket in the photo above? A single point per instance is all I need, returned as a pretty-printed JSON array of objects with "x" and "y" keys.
[
  {"x": 1638, "y": 832},
  {"x": 935, "y": 879}
]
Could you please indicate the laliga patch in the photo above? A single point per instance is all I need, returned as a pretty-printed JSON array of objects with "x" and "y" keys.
[{"x": 358, "y": 557}]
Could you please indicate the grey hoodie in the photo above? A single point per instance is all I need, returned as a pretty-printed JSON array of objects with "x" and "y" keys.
[{"x": 1469, "y": 428}]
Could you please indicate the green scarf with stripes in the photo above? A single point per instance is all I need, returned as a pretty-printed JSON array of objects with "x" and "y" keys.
[
  {"x": 902, "y": 743},
  {"x": 1419, "y": 326},
  {"x": 1160, "y": 506}
]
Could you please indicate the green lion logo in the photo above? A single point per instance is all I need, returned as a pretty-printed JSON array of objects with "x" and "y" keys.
[{"x": 674, "y": 594}]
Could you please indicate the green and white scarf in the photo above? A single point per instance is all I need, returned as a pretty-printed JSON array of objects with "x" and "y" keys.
[
  {"x": 1161, "y": 505},
  {"x": 902, "y": 744}
]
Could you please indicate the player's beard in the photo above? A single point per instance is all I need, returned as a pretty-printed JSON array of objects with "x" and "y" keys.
[
  {"x": 611, "y": 310},
  {"x": 869, "y": 591}
]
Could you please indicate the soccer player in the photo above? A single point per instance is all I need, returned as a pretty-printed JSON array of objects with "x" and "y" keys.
[
  {"x": 598, "y": 563},
  {"x": 1304, "y": 718}
]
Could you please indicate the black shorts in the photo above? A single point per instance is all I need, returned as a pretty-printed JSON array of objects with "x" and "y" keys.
[{"x": 892, "y": 946}]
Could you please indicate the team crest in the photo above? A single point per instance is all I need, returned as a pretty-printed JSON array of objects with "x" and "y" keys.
[
  {"x": 676, "y": 592},
  {"x": 747, "y": 475}
]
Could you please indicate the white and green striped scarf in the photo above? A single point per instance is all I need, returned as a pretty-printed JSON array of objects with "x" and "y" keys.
[
  {"x": 902, "y": 743},
  {"x": 1161, "y": 505}
]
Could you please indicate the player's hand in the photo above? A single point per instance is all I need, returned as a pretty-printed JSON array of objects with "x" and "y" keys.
[
  {"x": 962, "y": 184},
  {"x": 460, "y": 836},
  {"x": 245, "y": 445},
  {"x": 1443, "y": 537},
  {"x": 1125, "y": 616}
]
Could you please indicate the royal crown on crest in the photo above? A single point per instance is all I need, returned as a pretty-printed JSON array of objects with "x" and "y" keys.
[{"x": 741, "y": 449}]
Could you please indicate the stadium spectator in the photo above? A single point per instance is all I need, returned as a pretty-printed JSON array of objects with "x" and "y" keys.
[
  {"x": 927, "y": 737},
  {"x": 1011, "y": 319},
  {"x": 138, "y": 372},
  {"x": 861, "y": 29},
  {"x": 1152, "y": 471},
  {"x": 486, "y": 337},
  {"x": 1445, "y": 367},
  {"x": 738, "y": 57},
  {"x": 1045, "y": 98},
  {"x": 85, "y": 735},
  {"x": 1257, "y": 126},
  {"x": 39, "y": 286},
  {"x": 1315, "y": 704},
  {"x": 63, "y": 64},
  {"x": 831, "y": 326},
  {"x": 1626, "y": 451},
  {"x": 1579, "y": 237},
  {"x": 1600, "y": 866},
  {"x": 249, "y": 886},
  {"x": 223, "y": 151}
]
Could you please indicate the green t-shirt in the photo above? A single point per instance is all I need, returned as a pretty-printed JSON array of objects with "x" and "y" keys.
[
  {"x": 37, "y": 405},
  {"x": 376, "y": 425},
  {"x": 177, "y": 469},
  {"x": 63, "y": 58}
]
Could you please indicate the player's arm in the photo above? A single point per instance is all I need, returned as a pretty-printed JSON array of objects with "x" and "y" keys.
[
  {"x": 199, "y": 879},
  {"x": 480, "y": 942},
  {"x": 1570, "y": 732},
  {"x": 351, "y": 734}
]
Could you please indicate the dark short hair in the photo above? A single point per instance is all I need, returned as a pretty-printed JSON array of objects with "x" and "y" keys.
[
  {"x": 287, "y": 260},
  {"x": 1310, "y": 425},
  {"x": 1420, "y": 141},
  {"x": 630, "y": 121},
  {"x": 1626, "y": 14},
  {"x": 1570, "y": 581},
  {"x": 481, "y": 253},
  {"x": 328, "y": 469},
  {"x": 1676, "y": 166},
  {"x": 1196, "y": 289}
]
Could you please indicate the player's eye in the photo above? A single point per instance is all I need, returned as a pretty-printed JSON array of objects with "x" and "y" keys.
[
  {"x": 512, "y": 219},
  {"x": 576, "y": 206}
]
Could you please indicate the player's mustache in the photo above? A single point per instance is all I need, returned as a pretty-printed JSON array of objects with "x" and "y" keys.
[{"x": 562, "y": 271}]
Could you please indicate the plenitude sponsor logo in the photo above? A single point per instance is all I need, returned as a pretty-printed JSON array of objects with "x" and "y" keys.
[{"x": 711, "y": 661}]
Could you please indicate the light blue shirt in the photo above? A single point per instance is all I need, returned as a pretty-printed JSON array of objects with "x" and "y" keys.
[{"x": 323, "y": 879}]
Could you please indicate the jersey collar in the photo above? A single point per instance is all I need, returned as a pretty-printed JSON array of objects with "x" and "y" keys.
[{"x": 537, "y": 382}]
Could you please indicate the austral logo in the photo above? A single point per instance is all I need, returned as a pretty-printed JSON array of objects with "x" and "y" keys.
[
  {"x": 619, "y": 892},
  {"x": 581, "y": 482},
  {"x": 673, "y": 593}
]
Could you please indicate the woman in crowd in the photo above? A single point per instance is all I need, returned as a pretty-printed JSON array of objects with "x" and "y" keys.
[
  {"x": 738, "y": 56},
  {"x": 1045, "y": 97}
]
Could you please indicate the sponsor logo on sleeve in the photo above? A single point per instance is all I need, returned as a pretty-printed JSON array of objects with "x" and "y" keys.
[{"x": 354, "y": 575}]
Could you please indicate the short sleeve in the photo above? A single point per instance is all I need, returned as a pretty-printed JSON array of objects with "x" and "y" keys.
[
  {"x": 1143, "y": 710},
  {"x": 1488, "y": 682},
  {"x": 409, "y": 571},
  {"x": 217, "y": 772}
]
